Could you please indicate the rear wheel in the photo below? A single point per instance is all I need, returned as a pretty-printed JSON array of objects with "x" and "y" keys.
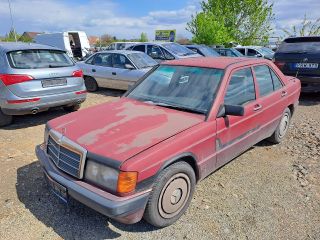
[
  {"x": 5, "y": 119},
  {"x": 91, "y": 84},
  {"x": 282, "y": 128},
  {"x": 72, "y": 108},
  {"x": 171, "y": 195}
]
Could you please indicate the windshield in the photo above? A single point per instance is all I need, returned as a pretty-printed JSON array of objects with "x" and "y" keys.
[
  {"x": 299, "y": 47},
  {"x": 184, "y": 88},
  {"x": 33, "y": 59},
  {"x": 207, "y": 51},
  {"x": 266, "y": 51},
  {"x": 142, "y": 60},
  {"x": 178, "y": 49}
]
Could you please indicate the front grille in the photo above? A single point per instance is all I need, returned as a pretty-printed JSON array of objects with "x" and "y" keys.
[{"x": 65, "y": 159}]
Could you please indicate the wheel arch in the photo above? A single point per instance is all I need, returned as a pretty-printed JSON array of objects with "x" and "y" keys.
[{"x": 188, "y": 157}]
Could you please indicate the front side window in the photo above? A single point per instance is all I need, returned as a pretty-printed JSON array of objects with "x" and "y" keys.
[
  {"x": 180, "y": 87},
  {"x": 252, "y": 52},
  {"x": 241, "y": 88},
  {"x": 155, "y": 52},
  {"x": 119, "y": 61},
  {"x": 264, "y": 79},
  {"x": 140, "y": 48},
  {"x": 34, "y": 59}
]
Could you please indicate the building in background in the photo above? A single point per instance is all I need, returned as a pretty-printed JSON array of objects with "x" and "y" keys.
[{"x": 93, "y": 40}]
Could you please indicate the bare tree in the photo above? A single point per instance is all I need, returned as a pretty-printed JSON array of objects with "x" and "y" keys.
[{"x": 305, "y": 28}]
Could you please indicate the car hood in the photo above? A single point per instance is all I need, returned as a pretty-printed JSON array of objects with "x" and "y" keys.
[{"x": 123, "y": 128}]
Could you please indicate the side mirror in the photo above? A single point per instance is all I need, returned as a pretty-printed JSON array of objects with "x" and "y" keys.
[
  {"x": 129, "y": 66},
  {"x": 231, "y": 110},
  {"x": 258, "y": 55}
]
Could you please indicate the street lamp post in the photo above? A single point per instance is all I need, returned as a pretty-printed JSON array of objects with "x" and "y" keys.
[{"x": 12, "y": 25}]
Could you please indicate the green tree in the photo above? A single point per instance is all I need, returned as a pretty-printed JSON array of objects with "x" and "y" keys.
[
  {"x": 143, "y": 37},
  {"x": 222, "y": 21},
  {"x": 305, "y": 28},
  {"x": 11, "y": 36}
]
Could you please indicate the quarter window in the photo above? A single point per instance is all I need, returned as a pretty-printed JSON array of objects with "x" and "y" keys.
[
  {"x": 264, "y": 79},
  {"x": 241, "y": 88},
  {"x": 277, "y": 84}
]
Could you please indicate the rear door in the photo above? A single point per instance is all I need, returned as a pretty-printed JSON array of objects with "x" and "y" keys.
[
  {"x": 101, "y": 68},
  {"x": 272, "y": 94},
  {"x": 42, "y": 72},
  {"x": 238, "y": 133}
]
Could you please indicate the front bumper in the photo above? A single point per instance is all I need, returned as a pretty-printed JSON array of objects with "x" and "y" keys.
[{"x": 123, "y": 209}]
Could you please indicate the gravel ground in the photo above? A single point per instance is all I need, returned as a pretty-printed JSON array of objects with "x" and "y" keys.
[{"x": 269, "y": 192}]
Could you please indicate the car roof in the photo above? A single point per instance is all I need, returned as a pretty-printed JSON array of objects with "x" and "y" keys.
[
  {"x": 16, "y": 46},
  {"x": 217, "y": 62},
  {"x": 125, "y": 52}
]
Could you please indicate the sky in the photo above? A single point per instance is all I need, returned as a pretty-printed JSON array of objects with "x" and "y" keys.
[{"x": 128, "y": 18}]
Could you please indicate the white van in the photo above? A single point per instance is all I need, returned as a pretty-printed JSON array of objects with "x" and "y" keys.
[{"x": 75, "y": 43}]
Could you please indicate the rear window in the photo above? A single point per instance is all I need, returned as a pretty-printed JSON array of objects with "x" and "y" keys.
[
  {"x": 34, "y": 59},
  {"x": 300, "y": 46}
]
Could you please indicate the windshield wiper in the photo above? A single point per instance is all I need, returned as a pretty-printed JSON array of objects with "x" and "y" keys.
[{"x": 180, "y": 108}]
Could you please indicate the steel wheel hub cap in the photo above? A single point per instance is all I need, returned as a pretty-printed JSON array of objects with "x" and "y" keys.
[
  {"x": 174, "y": 195},
  {"x": 284, "y": 124}
]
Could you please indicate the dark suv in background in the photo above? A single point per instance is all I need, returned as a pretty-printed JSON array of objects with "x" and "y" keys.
[{"x": 300, "y": 56}]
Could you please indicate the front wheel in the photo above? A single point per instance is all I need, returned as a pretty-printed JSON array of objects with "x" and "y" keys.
[
  {"x": 171, "y": 195},
  {"x": 282, "y": 128}
]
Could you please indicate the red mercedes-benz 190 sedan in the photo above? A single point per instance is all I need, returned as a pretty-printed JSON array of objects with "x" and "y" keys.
[{"x": 142, "y": 155}]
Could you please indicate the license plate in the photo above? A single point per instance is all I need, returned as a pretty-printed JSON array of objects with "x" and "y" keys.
[
  {"x": 57, "y": 189},
  {"x": 54, "y": 82},
  {"x": 307, "y": 65}
]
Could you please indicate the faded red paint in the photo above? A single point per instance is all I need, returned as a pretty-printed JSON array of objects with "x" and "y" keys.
[{"x": 121, "y": 129}]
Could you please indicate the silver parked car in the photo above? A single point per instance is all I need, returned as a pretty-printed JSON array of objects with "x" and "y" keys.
[
  {"x": 161, "y": 51},
  {"x": 256, "y": 51},
  {"x": 34, "y": 78},
  {"x": 115, "y": 69}
]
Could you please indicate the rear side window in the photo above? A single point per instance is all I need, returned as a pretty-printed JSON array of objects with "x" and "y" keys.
[
  {"x": 241, "y": 88},
  {"x": 34, "y": 59},
  {"x": 264, "y": 79},
  {"x": 103, "y": 59},
  {"x": 140, "y": 48}
]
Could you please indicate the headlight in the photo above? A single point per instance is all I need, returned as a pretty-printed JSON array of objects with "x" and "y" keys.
[
  {"x": 101, "y": 175},
  {"x": 110, "y": 179}
]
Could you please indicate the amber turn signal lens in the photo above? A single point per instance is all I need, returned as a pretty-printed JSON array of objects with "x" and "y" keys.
[{"x": 127, "y": 182}]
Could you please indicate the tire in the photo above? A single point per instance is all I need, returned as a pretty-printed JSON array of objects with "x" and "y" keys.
[
  {"x": 171, "y": 195},
  {"x": 72, "y": 108},
  {"x": 5, "y": 119},
  {"x": 282, "y": 128},
  {"x": 91, "y": 84}
]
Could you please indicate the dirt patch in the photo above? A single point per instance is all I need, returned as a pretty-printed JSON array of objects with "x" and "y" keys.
[{"x": 269, "y": 192}]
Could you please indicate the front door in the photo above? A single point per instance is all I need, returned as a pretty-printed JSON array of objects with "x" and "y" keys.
[{"x": 235, "y": 134}]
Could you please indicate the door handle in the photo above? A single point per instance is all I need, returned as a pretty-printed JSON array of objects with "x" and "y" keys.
[
  {"x": 257, "y": 107},
  {"x": 114, "y": 73},
  {"x": 93, "y": 70},
  {"x": 284, "y": 93}
]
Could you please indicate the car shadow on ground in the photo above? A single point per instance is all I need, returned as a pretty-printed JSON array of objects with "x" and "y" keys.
[
  {"x": 309, "y": 99},
  {"x": 109, "y": 92},
  {"x": 26, "y": 121},
  {"x": 72, "y": 221}
]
